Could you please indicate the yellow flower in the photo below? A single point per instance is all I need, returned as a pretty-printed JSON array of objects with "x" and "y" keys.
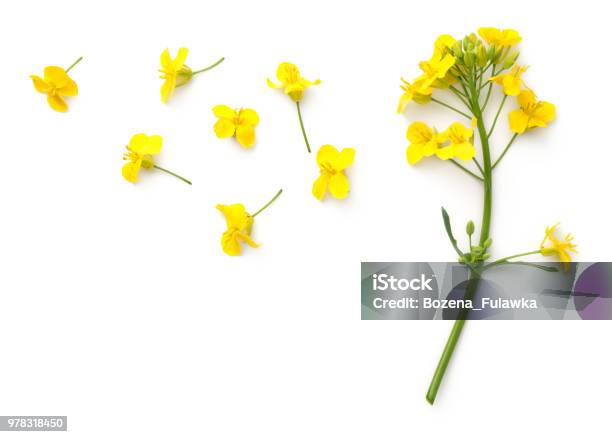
[
  {"x": 443, "y": 43},
  {"x": 500, "y": 37},
  {"x": 424, "y": 142},
  {"x": 436, "y": 68},
  {"x": 560, "y": 248},
  {"x": 240, "y": 123},
  {"x": 532, "y": 113},
  {"x": 239, "y": 224},
  {"x": 140, "y": 154},
  {"x": 332, "y": 164},
  {"x": 291, "y": 81},
  {"x": 511, "y": 81},
  {"x": 460, "y": 145},
  {"x": 174, "y": 72},
  {"x": 415, "y": 91},
  {"x": 55, "y": 84}
]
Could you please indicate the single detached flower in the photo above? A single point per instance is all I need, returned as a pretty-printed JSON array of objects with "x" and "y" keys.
[
  {"x": 140, "y": 153},
  {"x": 553, "y": 246},
  {"x": 500, "y": 37},
  {"x": 416, "y": 91},
  {"x": 511, "y": 81},
  {"x": 532, "y": 113},
  {"x": 56, "y": 84},
  {"x": 176, "y": 73},
  {"x": 332, "y": 178},
  {"x": 291, "y": 81},
  {"x": 239, "y": 225},
  {"x": 236, "y": 122},
  {"x": 293, "y": 84}
]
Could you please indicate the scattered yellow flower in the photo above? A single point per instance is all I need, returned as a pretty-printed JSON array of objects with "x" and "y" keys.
[
  {"x": 436, "y": 68},
  {"x": 174, "y": 72},
  {"x": 291, "y": 81},
  {"x": 332, "y": 164},
  {"x": 140, "y": 154},
  {"x": 560, "y": 248},
  {"x": 532, "y": 113},
  {"x": 240, "y": 123},
  {"x": 511, "y": 81},
  {"x": 239, "y": 224},
  {"x": 56, "y": 84},
  {"x": 460, "y": 145},
  {"x": 500, "y": 37},
  {"x": 414, "y": 91}
]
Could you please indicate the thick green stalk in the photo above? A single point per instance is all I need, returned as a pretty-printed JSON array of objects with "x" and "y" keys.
[{"x": 474, "y": 279}]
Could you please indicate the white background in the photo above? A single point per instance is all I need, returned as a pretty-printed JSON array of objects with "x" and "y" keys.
[{"x": 118, "y": 307}]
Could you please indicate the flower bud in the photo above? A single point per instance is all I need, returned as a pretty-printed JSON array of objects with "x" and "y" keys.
[
  {"x": 510, "y": 60},
  {"x": 469, "y": 60},
  {"x": 469, "y": 228},
  {"x": 481, "y": 55},
  {"x": 488, "y": 243}
]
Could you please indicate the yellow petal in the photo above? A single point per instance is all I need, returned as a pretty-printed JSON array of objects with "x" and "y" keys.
[
  {"x": 223, "y": 111},
  {"x": 245, "y": 135},
  {"x": 69, "y": 89},
  {"x": 339, "y": 185},
  {"x": 230, "y": 244},
  {"x": 320, "y": 186},
  {"x": 40, "y": 85},
  {"x": 544, "y": 113},
  {"x": 327, "y": 154},
  {"x": 224, "y": 128},
  {"x": 445, "y": 153},
  {"x": 57, "y": 103},
  {"x": 180, "y": 59},
  {"x": 272, "y": 84},
  {"x": 144, "y": 144},
  {"x": 56, "y": 76},
  {"x": 344, "y": 159},
  {"x": 247, "y": 239},
  {"x": 248, "y": 117},
  {"x": 526, "y": 98},
  {"x": 287, "y": 73},
  {"x": 166, "y": 60},
  {"x": 518, "y": 121},
  {"x": 414, "y": 153},
  {"x": 167, "y": 88},
  {"x": 419, "y": 132},
  {"x": 130, "y": 171},
  {"x": 235, "y": 215},
  {"x": 464, "y": 151}
]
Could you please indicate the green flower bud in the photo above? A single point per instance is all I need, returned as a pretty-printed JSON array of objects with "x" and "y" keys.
[
  {"x": 481, "y": 55},
  {"x": 510, "y": 60},
  {"x": 469, "y": 228},
  {"x": 469, "y": 60},
  {"x": 488, "y": 242}
]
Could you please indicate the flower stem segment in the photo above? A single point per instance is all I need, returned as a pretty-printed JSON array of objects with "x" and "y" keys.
[
  {"x": 302, "y": 125},
  {"x": 73, "y": 64},
  {"x": 187, "y": 181},
  {"x": 210, "y": 67},
  {"x": 269, "y": 203}
]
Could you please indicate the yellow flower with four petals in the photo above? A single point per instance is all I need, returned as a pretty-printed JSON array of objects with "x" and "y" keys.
[
  {"x": 511, "y": 81},
  {"x": 416, "y": 91},
  {"x": 532, "y": 113},
  {"x": 500, "y": 37},
  {"x": 291, "y": 81},
  {"x": 332, "y": 178},
  {"x": 56, "y": 84},
  {"x": 558, "y": 247},
  {"x": 236, "y": 122}
]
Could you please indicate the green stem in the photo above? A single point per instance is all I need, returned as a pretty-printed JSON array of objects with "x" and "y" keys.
[
  {"x": 172, "y": 173},
  {"x": 474, "y": 279},
  {"x": 302, "y": 125},
  {"x": 505, "y": 150},
  {"x": 451, "y": 108},
  {"x": 508, "y": 258},
  {"x": 478, "y": 165},
  {"x": 501, "y": 105},
  {"x": 484, "y": 105},
  {"x": 466, "y": 170},
  {"x": 210, "y": 67},
  {"x": 73, "y": 64},
  {"x": 269, "y": 203}
]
